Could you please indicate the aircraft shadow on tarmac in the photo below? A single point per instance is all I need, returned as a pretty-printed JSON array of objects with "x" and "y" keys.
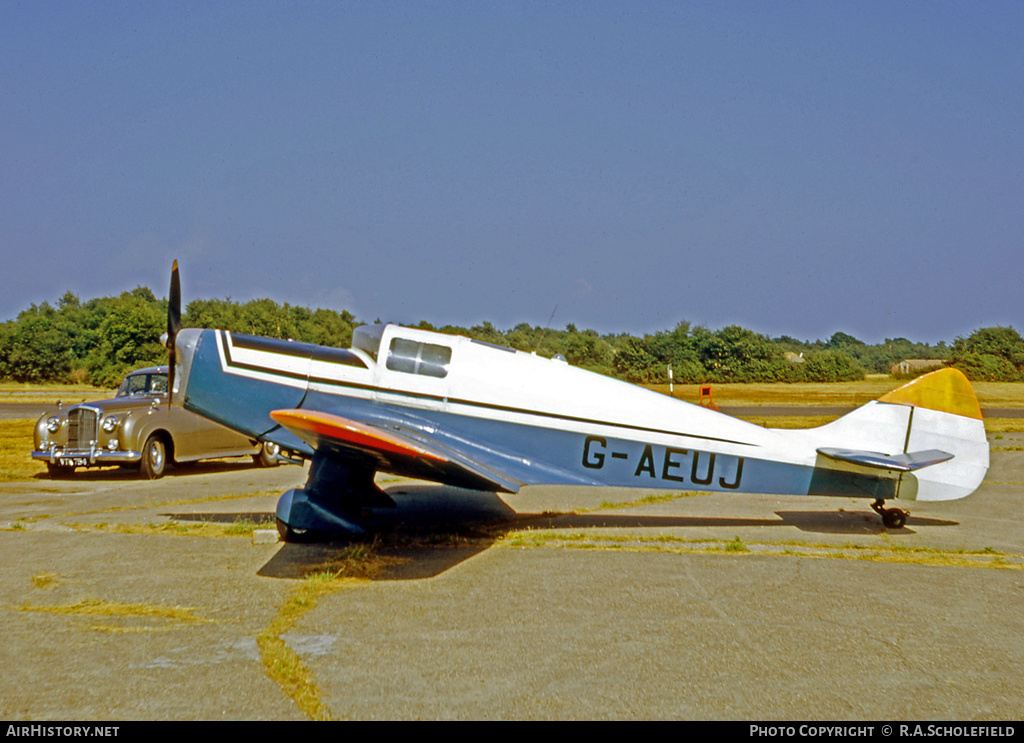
[{"x": 435, "y": 528}]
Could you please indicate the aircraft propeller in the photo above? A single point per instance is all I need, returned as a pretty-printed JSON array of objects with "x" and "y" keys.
[{"x": 173, "y": 326}]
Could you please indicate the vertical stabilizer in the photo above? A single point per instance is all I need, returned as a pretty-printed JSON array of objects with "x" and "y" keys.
[
  {"x": 935, "y": 412},
  {"x": 945, "y": 391}
]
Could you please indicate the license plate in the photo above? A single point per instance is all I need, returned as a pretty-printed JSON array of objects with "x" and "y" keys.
[{"x": 73, "y": 461}]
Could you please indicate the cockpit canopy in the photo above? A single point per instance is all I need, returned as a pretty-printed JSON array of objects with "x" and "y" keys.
[
  {"x": 403, "y": 354},
  {"x": 366, "y": 338}
]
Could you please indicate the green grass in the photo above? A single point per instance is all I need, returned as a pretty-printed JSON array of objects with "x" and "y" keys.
[
  {"x": 789, "y": 421},
  {"x": 992, "y": 425},
  {"x": 241, "y": 528},
  {"x": 351, "y": 567},
  {"x": 51, "y": 393},
  {"x": 736, "y": 545},
  {"x": 646, "y": 500},
  {"x": 16, "y": 462},
  {"x": 118, "y": 617},
  {"x": 990, "y": 394},
  {"x": 553, "y": 539}
]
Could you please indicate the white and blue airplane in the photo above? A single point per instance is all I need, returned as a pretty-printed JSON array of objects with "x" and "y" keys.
[{"x": 462, "y": 412}]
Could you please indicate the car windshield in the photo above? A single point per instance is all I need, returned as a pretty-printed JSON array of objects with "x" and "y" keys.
[{"x": 142, "y": 384}]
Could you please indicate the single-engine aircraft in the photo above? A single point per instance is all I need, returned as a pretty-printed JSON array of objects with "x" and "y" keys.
[{"x": 459, "y": 411}]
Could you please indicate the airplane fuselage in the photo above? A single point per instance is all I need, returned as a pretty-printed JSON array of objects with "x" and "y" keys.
[{"x": 506, "y": 418}]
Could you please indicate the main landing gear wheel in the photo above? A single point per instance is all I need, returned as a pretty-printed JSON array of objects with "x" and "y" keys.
[
  {"x": 268, "y": 455},
  {"x": 293, "y": 535},
  {"x": 893, "y": 518}
]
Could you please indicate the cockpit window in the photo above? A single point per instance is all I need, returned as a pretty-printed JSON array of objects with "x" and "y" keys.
[
  {"x": 367, "y": 338},
  {"x": 413, "y": 357}
]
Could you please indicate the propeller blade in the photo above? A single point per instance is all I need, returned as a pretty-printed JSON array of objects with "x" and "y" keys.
[
  {"x": 173, "y": 307},
  {"x": 173, "y": 326}
]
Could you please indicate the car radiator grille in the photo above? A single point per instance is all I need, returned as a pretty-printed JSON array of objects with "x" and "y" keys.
[{"x": 82, "y": 428}]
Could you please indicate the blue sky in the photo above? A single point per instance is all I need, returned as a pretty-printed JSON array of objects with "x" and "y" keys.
[{"x": 795, "y": 168}]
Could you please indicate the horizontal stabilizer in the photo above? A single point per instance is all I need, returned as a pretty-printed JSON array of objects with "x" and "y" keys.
[{"x": 899, "y": 462}]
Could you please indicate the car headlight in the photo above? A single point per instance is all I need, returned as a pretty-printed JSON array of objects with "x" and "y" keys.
[
  {"x": 110, "y": 423},
  {"x": 53, "y": 424}
]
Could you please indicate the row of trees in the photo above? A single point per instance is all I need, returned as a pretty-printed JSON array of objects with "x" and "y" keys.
[
  {"x": 876, "y": 359},
  {"x": 991, "y": 354},
  {"x": 732, "y": 354},
  {"x": 99, "y": 340}
]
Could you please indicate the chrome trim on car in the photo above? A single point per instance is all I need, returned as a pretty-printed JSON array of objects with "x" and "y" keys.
[
  {"x": 94, "y": 456},
  {"x": 84, "y": 425}
]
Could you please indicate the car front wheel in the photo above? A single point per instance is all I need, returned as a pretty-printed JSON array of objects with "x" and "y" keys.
[{"x": 154, "y": 458}]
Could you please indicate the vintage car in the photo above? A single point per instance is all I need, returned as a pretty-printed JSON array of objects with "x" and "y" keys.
[{"x": 137, "y": 429}]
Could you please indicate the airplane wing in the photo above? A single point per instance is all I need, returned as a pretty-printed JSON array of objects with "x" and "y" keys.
[{"x": 392, "y": 449}]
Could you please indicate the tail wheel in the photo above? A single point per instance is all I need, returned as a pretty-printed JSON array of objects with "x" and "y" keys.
[
  {"x": 894, "y": 518},
  {"x": 154, "y": 458}
]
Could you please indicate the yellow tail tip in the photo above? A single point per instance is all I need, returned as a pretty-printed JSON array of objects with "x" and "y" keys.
[{"x": 945, "y": 390}]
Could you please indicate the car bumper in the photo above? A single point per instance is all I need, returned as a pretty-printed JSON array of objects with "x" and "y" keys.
[{"x": 87, "y": 457}]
